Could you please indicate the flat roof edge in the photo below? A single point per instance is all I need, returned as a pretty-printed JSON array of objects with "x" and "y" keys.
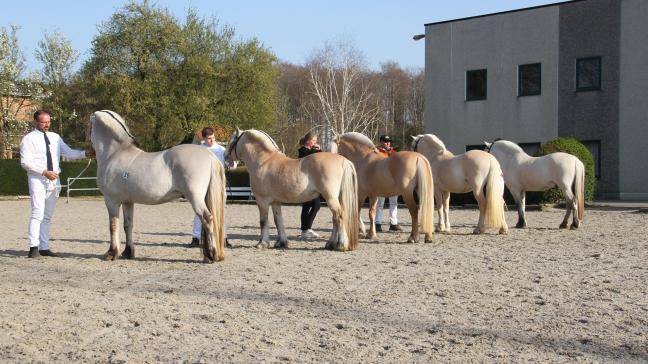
[{"x": 505, "y": 12}]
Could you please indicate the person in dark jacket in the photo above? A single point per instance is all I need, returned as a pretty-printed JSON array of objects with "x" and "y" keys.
[{"x": 309, "y": 209}]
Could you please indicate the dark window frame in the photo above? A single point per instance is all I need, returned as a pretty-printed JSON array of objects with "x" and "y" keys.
[
  {"x": 477, "y": 98},
  {"x": 580, "y": 88},
  {"x": 520, "y": 91}
]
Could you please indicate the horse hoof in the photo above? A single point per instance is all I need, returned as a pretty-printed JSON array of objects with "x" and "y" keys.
[
  {"x": 520, "y": 225},
  {"x": 503, "y": 231},
  {"x": 411, "y": 240},
  {"x": 127, "y": 254},
  {"x": 261, "y": 245},
  {"x": 477, "y": 231},
  {"x": 428, "y": 241},
  {"x": 563, "y": 226},
  {"x": 281, "y": 244},
  {"x": 110, "y": 255},
  {"x": 574, "y": 226},
  {"x": 207, "y": 260}
]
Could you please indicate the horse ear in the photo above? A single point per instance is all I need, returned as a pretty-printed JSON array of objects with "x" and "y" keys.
[
  {"x": 238, "y": 131},
  {"x": 487, "y": 143},
  {"x": 413, "y": 137}
]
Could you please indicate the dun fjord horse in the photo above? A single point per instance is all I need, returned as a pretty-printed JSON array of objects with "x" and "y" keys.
[
  {"x": 475, "y": 171},
  {"x": 525, "y": 173},
  {"x": 403, "y": 173},
  {"x": 127, "y": 175},
  {"x": 276, "y": 179}
]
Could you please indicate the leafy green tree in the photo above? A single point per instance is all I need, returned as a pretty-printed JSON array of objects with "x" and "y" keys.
[{"x": 169, "y": 78}]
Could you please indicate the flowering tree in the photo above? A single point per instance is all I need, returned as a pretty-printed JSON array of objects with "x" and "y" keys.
[{"x": 18, "y": 94}]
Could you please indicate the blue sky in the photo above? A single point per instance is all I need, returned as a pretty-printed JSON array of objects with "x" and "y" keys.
[{"x": 382, "y": 30}]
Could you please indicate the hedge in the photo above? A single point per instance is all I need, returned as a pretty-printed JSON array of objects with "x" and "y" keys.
[
  {"x": 13, "y": 178},
  {"x": 576, "y": 148}
]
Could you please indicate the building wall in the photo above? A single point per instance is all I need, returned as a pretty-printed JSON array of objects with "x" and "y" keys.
[
  {"x": 498, "y": 43},
  {"x": 587, "y": 29},
  {"x": 633, "y": 106}
]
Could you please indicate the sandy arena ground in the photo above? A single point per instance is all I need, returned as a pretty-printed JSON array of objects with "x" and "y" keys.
[{"x": 539, "y": 294}]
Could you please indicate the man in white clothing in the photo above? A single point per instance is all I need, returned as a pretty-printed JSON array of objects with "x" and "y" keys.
[
  {"x": 40, "y": 153},
  {"x": 209, "y": 141}
]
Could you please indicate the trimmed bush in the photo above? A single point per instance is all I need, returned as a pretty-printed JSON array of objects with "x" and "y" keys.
[
  {"x": 238, "y": 177},
  {"x": 13, "y": 178},
  {"x": 576, "y": 148}
]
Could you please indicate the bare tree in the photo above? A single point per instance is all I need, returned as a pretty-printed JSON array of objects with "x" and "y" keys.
[{"x": 343, "y": 100}]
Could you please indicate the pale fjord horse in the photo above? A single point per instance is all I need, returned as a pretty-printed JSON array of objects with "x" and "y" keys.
[
  {"x": 276, "y": 179},
  {"x": 127, "y": 175},
  {"x": 474, "y": 171},
  {"x": 403, "y": 173},
  {"x": 525, "y": 173}
]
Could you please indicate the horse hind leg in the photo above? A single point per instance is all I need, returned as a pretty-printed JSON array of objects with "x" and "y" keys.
[
  {"x": 570, "y": 206},
  {"x": 207, "y": 229},
  {"x": 408, "y": 198},
  {"x": 128, "y": 208},
  {"x": 338, "y": 240},
  {"x": 282, "y": 238},
  {"x": 481, "y": 203}
]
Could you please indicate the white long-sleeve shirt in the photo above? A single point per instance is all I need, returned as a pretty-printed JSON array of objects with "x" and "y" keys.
[
  {"x": 218, "y": 150},
  {"x": 33, "y": 152}
]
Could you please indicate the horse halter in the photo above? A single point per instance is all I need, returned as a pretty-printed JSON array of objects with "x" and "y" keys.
[
  {"x": 232, "y": 146},
  {"x": 416, "y": 143},
  {"x": 489, "y": 147}
]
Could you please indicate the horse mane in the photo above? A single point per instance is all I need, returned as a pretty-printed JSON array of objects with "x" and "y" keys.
[
  {"x": 435, "y": 141},
  {"x": 117, "y": 126},
  {"x": 356, "y": 137},
  {"x": 264, "y": 139},
  {"x": 508, "y": 146}
]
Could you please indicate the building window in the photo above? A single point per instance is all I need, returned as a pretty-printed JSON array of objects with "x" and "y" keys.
[
  {"x": 594, "y": 146},
  {"x": 588, "y": 74},
  {"x": 476, "y": 147},
  {"x": 529, "y": 83},
  {"x": 476, "y": 85}
]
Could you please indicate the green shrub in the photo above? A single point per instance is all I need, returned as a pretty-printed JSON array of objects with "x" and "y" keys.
[
  {"x": 13, "y": 178},
  {"x": 576, "y": 148},
  {"x": 238, "y": 177}
]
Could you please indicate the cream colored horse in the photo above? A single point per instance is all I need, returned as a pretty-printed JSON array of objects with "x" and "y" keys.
[
  {"x": 475, "y": 171},
  {"x": 276, "y": 179},
  {"x": 403, "y": 173},
  {"x": 127, "y": 175},
  {"x": 525, "y": 173}
]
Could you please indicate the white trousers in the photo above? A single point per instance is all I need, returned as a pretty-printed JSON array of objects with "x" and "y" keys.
[
  {"x": 197, "y": 228},
  {"x": 393, "y": 210},
  {"x": 44, "y": 194}
]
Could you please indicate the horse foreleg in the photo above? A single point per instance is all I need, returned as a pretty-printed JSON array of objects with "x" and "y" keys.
[
  {"x": 128, "y": 208},
  {"x": 446, "y": 210},
  {"x": 372, "y": 217},
  {"x": 113, "y": 222},
  {"x": 282, "y": 238},
  {"x": 520, "y": 201},
  {"x": 408, "y": 198},
  {"x": 438, "y": 205},
  {"x": 361, "y": 199},
  {"x": 264, "y": 242}
]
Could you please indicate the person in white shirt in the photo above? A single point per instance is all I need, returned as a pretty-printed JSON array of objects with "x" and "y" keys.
[
  {"x": 209, "y": 141},
  {"x": 40, "y": 153}
]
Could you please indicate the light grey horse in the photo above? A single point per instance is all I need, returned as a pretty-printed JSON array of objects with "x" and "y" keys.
[
  {"x": 525, "y": 173},
  {"x": 127, "y": 175}
]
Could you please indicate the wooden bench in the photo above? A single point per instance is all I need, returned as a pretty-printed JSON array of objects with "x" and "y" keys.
[{"x": 239, "y": 192}]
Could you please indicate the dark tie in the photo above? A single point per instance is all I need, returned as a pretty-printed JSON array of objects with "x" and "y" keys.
[{"x": 50, "y": 165}]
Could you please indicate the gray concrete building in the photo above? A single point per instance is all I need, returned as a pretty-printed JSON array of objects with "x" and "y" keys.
[{"x": 577, "y": 68}]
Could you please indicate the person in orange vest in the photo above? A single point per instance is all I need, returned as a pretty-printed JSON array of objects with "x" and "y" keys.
[{"x": 385, "y": 148}]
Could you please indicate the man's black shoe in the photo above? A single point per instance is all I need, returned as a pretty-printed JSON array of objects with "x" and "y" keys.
[
  {"x": 33, "y": 252},
  {"x": 395, "y": 227},
  {"x": 48, "y": 253},
  {"x": 195, "y": 242},
  {"x": 378, "y": 227},
  {"x": 227, "y": 243}
]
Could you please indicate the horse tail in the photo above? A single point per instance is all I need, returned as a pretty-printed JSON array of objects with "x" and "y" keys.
[
  {"x": 579, "y": 188},
  {"x": 215, "y": 201},
  {"x": 349, "y": 202},
  {"x": 494, "y": 214},
  {"x": 426, "y": 195}
]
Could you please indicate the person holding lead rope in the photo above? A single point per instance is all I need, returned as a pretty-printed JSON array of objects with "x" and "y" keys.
[{"x": 40, "y": 153}]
